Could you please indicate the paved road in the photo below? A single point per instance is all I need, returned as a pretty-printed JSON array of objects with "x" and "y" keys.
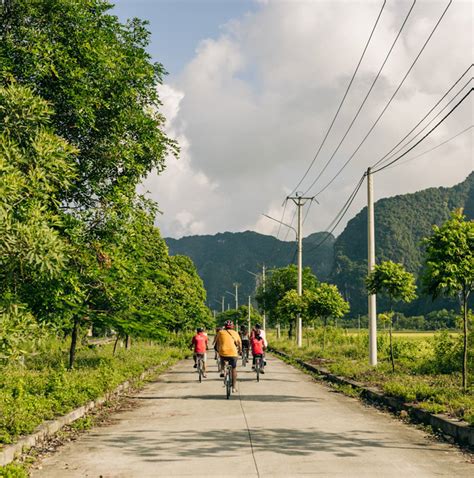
[{"x": 285, "y": 426}]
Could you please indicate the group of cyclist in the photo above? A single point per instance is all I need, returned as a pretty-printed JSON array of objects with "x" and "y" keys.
[{"x": 229, "y": 345}]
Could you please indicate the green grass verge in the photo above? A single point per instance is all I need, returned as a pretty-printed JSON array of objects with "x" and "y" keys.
[
  {"x": 44, "y": 389},
  {"x": 427, "y": 367}
]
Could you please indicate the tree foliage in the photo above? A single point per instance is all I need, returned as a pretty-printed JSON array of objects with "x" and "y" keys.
[
  {"x": 449, "y": 268},
  {"x": 79, "y": 129}
]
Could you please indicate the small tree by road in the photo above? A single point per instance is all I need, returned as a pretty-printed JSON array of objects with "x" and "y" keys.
[
  {"x": 397, "y": 284},
  {"x": 325, "y": 301},
  {"x": 449, "y": 268},
  {"x": 290, "y": 306}
]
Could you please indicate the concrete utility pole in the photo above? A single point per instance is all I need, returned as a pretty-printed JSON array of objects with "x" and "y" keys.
[
  {"x": 249, "y": 316},
  {"x": 372, "y": 299},
  {"x": 223, "y": 298},
  {"x": 300, "y": 201},
  {"x": 236, "y": 285},
  {"x": 263, "y": 283}
]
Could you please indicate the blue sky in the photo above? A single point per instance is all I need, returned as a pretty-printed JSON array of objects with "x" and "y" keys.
[
  {"x": 254, "y": 84},
  {"x": 178, "y": 26}
]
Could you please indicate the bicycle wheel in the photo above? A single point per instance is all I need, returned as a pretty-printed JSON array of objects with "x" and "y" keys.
[
  {"x": 257, "y": 368},
  {"x": 228, "y": 383},
  {"x": 200, "y": 370},
  {"x": 244, "y": 358}
]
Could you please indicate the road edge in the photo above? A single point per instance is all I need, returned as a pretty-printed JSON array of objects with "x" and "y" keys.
[
  {"x": 460, "y": 432},
  {"x": 9, "y": 453}
]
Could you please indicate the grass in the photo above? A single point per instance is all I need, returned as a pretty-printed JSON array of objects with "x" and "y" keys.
[
  {"x": 427, "y": 366},
  {"x": 43, "y": 389}
]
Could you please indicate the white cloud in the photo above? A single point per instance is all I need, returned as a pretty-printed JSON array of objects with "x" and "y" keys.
[{"x": 252, "y": 106}]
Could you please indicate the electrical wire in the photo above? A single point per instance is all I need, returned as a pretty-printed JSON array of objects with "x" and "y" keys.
[
  {"x": 328, "y": 162},
  {"x": 342, "y": 101},
  {"x": 432, "y": 149},
  {"x": 340, "y": 215},
  {"x": 391, "y": 154},
  {"x": 389, "y": 102},
  {"x": 426, "y": 135}
]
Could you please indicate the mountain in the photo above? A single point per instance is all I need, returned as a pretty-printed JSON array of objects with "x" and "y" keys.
[
  {"x": 225, "y": 258},
  {"x": 401, "y": 222}
]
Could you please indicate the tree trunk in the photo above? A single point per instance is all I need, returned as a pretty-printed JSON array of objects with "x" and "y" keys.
[
  {"x": 324, "y": 334},
  {"x": 391, "y": 345},
  {"x": 290, "y": 330},
  {"x": 128, "y": 341},
  {"x": 72, "y": 349},
  {"x": 464, "y": 356},
  {"x": 116, "y": 343},
  {"x": 278, "y": 331}
]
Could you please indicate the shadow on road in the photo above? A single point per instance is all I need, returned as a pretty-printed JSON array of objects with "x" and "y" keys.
[
  {"x": 221, "y": 396},
  {"x": 220, "y": 443}
]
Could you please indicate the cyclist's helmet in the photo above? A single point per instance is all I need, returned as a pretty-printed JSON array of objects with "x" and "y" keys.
[
  {"x": 228, "y": 324},
  {"x": 199, "y": 330}
]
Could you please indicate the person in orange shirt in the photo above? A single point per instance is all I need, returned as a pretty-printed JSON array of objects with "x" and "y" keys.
[
  {"x": 200, "y": 345},
  {"x": 229, "y": 346}
]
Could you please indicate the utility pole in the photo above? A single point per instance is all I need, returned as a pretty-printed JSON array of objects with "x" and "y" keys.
[
  {"x": 236, "y": 285},
  {"x": 372, "y": 299},
  {"x": 249, "y": 317},
  {"x": 223, "y": 298},
  {"x": 300, "y": 201},
  {"x": 263, "y": 283}
]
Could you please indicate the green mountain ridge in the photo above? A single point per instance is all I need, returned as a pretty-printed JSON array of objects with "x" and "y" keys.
[
  {"x": 225, "y": 258},
  {"x": 402, "y": 222}
]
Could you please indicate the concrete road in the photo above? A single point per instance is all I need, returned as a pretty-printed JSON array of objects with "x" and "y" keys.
[{"x": 285, "y": 426}]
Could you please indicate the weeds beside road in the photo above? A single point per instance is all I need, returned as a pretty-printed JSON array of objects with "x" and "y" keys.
[
  {"x": 427, "y": 368},
  {"x": 42, "y": 388}
]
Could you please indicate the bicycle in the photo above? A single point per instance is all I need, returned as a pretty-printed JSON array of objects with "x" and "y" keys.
[
  {"x": 228, "y": 379},
  {"x": 258, "y": 366},
  {"x": 200, "y": 366},
  {"x": 245, "y": 356}
]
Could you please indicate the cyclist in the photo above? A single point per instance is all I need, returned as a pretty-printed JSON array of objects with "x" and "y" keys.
[
  {"x": 258, "y": 349},
  {"x": 244, "y": 337},
  {"x": 258, "y": 330},
  {"x": 214, "y": 346},
  {"x": 200, "y": 346},
  {"x": 229, "y": 346}
]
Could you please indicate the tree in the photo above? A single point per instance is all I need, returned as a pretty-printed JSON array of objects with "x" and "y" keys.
[
  {"x": 289, "y": 307},
  {"x": 101, "y": 83},
  {"x": 449, "y": 268},
  {"x": 278, "y": 283},
  {"x": 397, "y": 284},
  {"x": 325, "y": 301}
]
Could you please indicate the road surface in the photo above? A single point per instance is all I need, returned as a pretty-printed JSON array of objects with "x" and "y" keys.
[{"x": 285, "y": 426}]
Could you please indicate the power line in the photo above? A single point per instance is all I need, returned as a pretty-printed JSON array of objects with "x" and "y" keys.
[
  {"x": 365, "y": 99},
  {"x": 343, "y": 99},
  {"x": 390, "y": 154},
  {"x": 426, "y": 135},
  {"x": 432, "y": 149},
  {"x": 340, "y": 215},
  {"x": 389, "y": 102}
]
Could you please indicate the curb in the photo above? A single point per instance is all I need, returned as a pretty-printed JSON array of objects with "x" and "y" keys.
[
  {"x": 49, "y": 427},
  {"x": 460, "y": 432}
]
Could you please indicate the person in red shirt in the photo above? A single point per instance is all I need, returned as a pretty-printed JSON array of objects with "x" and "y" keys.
[
  {"x": 258, "y": 347},
  {"x": 200, "y": 346}
]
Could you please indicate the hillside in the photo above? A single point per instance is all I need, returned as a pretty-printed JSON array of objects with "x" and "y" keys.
[
  {"x": 225, "y": 258},
  {"x": 401, "y": 224}
]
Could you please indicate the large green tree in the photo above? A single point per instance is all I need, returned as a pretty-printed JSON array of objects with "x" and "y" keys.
[
  {"x": 449, "y": 269},
  {"x": 101, "y": 82}
]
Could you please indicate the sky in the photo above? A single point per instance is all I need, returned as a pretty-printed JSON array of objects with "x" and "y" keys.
[{"x": 253, "y": 86}]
